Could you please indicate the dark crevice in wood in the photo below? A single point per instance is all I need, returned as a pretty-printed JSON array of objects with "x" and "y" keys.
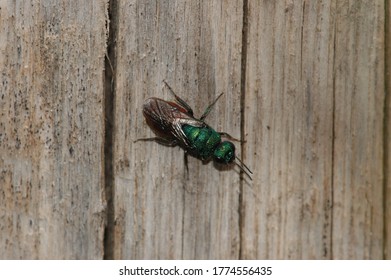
[
  {"x": 302, "y": 40},
  {"x": 242, "y": 120},
  {"x": 386, "y": 132},
  {"x": 109, "y": 95},
  {"x": 333, "y": 139}
]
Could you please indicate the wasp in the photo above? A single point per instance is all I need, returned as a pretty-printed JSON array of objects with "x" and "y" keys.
[{"x": 174, "y": 124}]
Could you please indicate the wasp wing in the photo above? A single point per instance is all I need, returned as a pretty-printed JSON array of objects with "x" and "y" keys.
[{"x": 167, "y": 118}]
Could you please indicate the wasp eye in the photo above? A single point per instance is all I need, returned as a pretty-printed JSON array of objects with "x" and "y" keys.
[{"x": 225, "y": 152}]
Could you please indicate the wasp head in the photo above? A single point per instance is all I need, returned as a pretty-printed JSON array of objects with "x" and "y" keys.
[{"x": 225, "y": 152}]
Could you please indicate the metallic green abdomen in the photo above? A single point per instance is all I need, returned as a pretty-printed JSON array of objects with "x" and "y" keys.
[{"x": 203, "y": 140}]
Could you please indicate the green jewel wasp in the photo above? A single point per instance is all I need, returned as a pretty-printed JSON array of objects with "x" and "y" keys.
[{"x": 174, "y": 124}]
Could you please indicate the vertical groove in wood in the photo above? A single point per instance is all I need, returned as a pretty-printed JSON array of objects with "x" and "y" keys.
[
  {"x": 110, "y": 82},
  {"x": 333, "y": 136},
  {"x": 242, "y": 116},
  {"x": 387, "y": 135}
]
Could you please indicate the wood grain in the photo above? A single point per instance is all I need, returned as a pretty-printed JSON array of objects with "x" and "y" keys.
[
  {"x": 161, "y": 211},
  {"x": 287, "y": 211},
  {"x": 314, "y": 102},
  {"x": 358, "y": 211},
  {"x": 306, "y": 88},
  {"x": 51, "y": 129}
]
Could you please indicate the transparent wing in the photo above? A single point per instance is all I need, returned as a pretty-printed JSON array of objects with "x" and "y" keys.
[{"x": 167, "y": 118}]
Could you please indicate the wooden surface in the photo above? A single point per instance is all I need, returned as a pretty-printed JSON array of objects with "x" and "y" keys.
[
  {"x": 304, "y": 87},
  {"x": 51, "y": 130},
  {"x": 289, "y": 127},
  {"x": 358, "y": 211},
  {"x": 161, "y": 211},
  {"x": 315, "y": 137}
]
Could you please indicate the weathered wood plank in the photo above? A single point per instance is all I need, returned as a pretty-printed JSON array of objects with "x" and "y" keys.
[
  {"x": 358, "y": 211},
  {"x": 51, "y": 129},
  {"x": 314, "y": 107},
  {"x": 288, "y": 122},
  {"x": 161, "y": 212}
]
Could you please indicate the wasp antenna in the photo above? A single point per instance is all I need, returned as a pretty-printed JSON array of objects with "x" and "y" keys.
[
  {"x": 244, "y": 169},
  {"x": 241, "y": 162},
  {"x": 167, "y": 85}
]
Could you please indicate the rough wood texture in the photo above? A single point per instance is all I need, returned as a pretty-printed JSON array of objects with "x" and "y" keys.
[
  {"x": 289, "y": 130},
  {"x": 51, "y": 129},
  {"x": 304, "y": 88},
  {"x": 358, "y": 211},
  {"x": 315, "y": 71},
  {"x": 161, "y": 211}
]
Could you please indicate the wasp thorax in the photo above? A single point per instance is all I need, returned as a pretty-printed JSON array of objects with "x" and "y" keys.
[{"x": 225, "y": 152}]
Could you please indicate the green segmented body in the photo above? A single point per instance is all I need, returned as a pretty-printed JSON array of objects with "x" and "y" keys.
[{"x": 203, "y": 140}]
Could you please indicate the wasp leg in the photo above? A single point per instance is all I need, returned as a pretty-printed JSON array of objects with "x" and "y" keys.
[
  {"x": 180, "y": 100},
  {"x": 159, "y": 140},
  {"x": 210, "y": 107},
  {"x": 226, "y": 135}
]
